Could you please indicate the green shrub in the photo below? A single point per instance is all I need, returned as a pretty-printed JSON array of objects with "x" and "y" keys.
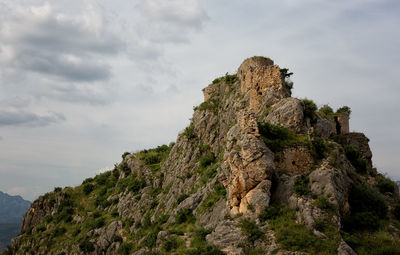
[
  {"x": 123, "y": 166},
  {"x": 114, "y": 213},
  {"x": 151, "y": 238},
  {"x": 117, "y": 239},
  {"x": 57, "y": 189},
  {"x": 354, "y": 156},
  {"x": 277, "y": 137},
  {"x": 88, "y": 188},
  {"x": 326, "y": 111},
  {"x": 135, "y": 185},
  {"x": 189, "y": 132},
  {"x": 385, "y": 185},
  {"x": 301, "y": 185},
  {"x": 363, "y": 198},
  {"x": 228, "y": 78},
  {"x": 344, "y": 109},
  {"x": 125, "y": 248},
  {"x": 211, "y": 104},
  {"x": 162, "y": 219},
  {"x": 376, "y": 243},
  {"x": 101, "y": 179},
  {"x": 251, "y": 230},
  {"x": 296, "y": 237},
  {"x": 87, "y": 180},
  {"x": 324, "y": 204},
  {"x": 125, "y": 154},
  {"x": 361, "y": 221},
  {"x": 214, "y": 197},
  {"x": 270, "y": 213},
  {"x": 58, "y": 231},
  {"x": 309, "y": 108},
  {"x": 170, "y": 244},
  {"x": 64, "y": 211},
  {"x": 205, "y": 249},
  {"x": 207, "y": 173},
  {"x": 40, "y": 228},
  {"x": 47, "y": 218},
  {"x": 207, "y": 160},
  {"x": 184, "y": 215},
  {"x": 86, "y": 246},
  {"x": 319, "y": 147}
]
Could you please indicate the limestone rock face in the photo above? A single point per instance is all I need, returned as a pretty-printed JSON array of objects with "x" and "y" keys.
[
  {"x": 227, "y": 236},
  {"x": 262, "y": 79},
  {"x": 345, "y": 249},
  {"x": 332, "y": 184},
  {"x": 359, "y": 140},
  {"x": 324, "y": 127},
  {"x": 249, "y": 165},
  {"x": 288, "y": 112}
]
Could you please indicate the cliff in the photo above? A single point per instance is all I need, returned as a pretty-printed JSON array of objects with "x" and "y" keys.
[{"x": 256, "y": 172}]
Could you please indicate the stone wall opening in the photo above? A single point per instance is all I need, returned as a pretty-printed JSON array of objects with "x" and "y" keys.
[{"x": 338, "y": 125}]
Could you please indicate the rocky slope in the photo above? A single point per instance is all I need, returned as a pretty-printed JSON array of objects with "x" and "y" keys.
[{"x": 256, "y": 172}]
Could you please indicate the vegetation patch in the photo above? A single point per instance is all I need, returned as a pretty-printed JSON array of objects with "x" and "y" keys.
[
  {"x": 154, "y": 157},
  {"x": 278, "y": 138},
  {"x": 324, "y": 204},
  {"x": 326, "y": 111},
  {"x": 184, "y": 215},
  {"x": 368, "y": 209},
  {"x": 301, "y": 185},
  {"x": 296, "y": 237},
  {"x": 376, "y": 243},
  {"x": 309, "y": 109},
  {"x": 213, "y": 198},
  {"x": 189, "y": 132},
  {"x": 210, "y": 105},
  {"x": 228, "y": 79},
  {"x": 354, "y": 156},
  {"x": 251, "y": 230},
  {"x": 385, "y": 185},
  {"x": 344, "y": 110}
]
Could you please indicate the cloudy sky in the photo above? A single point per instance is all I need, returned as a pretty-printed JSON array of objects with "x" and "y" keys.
[{"x": 81, "y": 82}]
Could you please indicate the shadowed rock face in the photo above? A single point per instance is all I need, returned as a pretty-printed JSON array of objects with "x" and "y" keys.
[{"x": 224, "y": 168}]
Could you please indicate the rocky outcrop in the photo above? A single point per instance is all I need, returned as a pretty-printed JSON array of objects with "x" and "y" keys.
[
  {"x": 250, "y": 162},
  {"x": 360, "y": 141},
  {"x": 222, "y": 186},
  {"x": 288, "y": 112}
]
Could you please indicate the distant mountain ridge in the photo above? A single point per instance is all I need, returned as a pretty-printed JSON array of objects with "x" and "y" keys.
[{"x": 12, "y": 208}]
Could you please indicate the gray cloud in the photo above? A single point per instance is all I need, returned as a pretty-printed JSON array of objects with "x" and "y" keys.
[
  {"x": 23, "y": 118},
  {"x": 42, "y": 40},
  {"x": 171, "y": 21}
]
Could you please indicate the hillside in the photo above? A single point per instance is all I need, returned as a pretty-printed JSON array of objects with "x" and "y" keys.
[{"x": 256, "y": 172}]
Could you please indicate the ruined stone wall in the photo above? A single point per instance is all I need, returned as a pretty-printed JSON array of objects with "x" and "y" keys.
[
  {"x": 295, "y": 160},
  {"x": 261, "y": 77}
]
